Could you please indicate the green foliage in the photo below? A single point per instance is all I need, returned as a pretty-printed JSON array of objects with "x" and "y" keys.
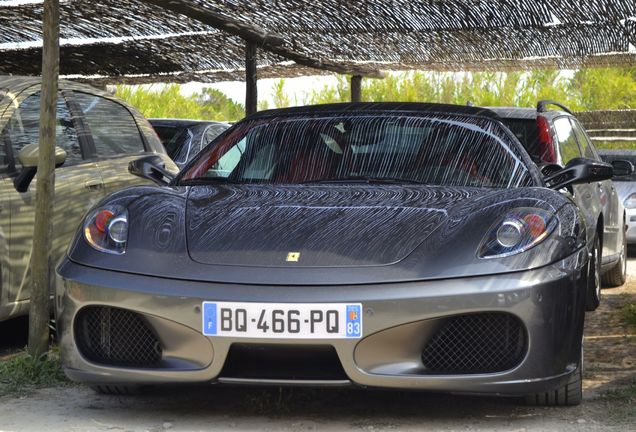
[
  {"x": 605, "y": 88},
  {"x": 629, "y": 314},
  {"x": 23, "y": 373},
  {"x": 586, "y": 89},
  {"x": 168, "y": 102},
  {"x": 215, "y": 105},
  {"x": 616, "y": 144}
]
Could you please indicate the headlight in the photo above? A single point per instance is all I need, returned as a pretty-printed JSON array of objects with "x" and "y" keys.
[
  {"x": 516, "y": 232},
  {"x": 106, "y": 229},
  {"x": 630, "y": 201}
]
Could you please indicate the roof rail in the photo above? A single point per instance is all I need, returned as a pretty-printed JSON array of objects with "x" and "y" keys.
[{"x": 543, "y": 103}]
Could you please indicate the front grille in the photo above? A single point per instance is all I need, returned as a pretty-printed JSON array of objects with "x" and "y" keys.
[
  {"x": 476, "y": 343},
  {"x": 283, "y": 362},
  {"x": 116, "y": 337}
]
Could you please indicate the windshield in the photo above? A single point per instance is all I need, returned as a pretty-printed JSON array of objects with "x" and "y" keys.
[{"x": 437, "y": 150}]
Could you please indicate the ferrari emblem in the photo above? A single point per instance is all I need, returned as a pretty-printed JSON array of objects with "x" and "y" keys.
[{"x": 293, "y": 257}]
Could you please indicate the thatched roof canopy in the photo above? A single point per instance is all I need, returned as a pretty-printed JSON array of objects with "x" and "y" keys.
[{"x": 139, "y": 41}]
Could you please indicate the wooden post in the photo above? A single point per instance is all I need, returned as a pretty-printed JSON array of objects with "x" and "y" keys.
[
  {"x": 251, "y": 97},
  {"x": 356, "y": 88},
  {"x": 44, "y": 196}
]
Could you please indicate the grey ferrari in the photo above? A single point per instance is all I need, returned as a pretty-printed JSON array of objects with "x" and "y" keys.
[{"x": 411, "y": 246}]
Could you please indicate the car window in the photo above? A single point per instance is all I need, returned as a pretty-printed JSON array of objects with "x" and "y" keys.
[
  {"x": 438, "y": 151},
  {"x": 568, "y": 146},
  {"x": 586, "y": 145},
  {"x": 226, "y": 163},
  {"x": 23, "y": 128},
  {"x": 112, "y": 127},
  {"x": 212, "y": 132}
]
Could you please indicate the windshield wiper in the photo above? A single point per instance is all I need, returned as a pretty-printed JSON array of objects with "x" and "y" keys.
[
  {"x": 364, "y": 179},
  {"x": 205, "y": 181}
]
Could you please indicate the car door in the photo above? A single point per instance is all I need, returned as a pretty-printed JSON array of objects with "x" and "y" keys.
[
  {"x": 584, "y": 194},
  {"x": 78, "y": 186},
  {"x": 607, "y": 196},
  {"x": 115, "y": 136}
]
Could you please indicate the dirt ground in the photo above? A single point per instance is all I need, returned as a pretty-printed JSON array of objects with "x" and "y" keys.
[{"x": 610, "y": 353}]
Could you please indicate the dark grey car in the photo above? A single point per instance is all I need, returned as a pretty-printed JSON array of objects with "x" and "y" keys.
[
  {"x": 553, "y": 138},
  {"x": 411, "y": 246},
  {"x": 184, "y": 139}
]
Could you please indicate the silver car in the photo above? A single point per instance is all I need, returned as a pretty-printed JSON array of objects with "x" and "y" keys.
[
  {"x": 97, "y": 136},
  {"x": 625, "y": 188}
]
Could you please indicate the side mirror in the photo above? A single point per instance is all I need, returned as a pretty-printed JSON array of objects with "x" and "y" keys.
[
  {"x": 580, "y": 170},
  {"x": 151, "y": 168},
  {"x": 622, "y": 167},
  {"x": 28, "y": 158}
]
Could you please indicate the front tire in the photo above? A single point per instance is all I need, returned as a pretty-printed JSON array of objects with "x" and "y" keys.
[
  {"x": 618, "y": 274},
  {"x": 568, "y": 394},
  {"x": 593, "y": 295}
]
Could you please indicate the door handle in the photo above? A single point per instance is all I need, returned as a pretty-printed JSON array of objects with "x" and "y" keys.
[{"x": 94, "y": 184}]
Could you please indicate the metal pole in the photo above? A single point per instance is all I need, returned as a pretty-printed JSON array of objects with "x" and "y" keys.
[
  {"x": 45, "y": 188},
  {"x": 251, "y": 97},
  {"x": 356, "y": 88}
]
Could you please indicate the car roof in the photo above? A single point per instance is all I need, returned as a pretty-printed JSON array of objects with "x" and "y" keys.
[
  {"x": 16, "y": 84},
  {"x": 524, "y": 113},
  {"x": 357, "y": 107},
  {"x": 182, "y": 122},
  {"x": 515, "y": 112}
]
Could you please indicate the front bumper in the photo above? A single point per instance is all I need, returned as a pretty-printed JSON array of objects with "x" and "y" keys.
[{"x": 548, "y": 301}]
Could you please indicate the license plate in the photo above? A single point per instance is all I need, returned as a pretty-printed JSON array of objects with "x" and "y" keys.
[{"x": 289, "y": 321}]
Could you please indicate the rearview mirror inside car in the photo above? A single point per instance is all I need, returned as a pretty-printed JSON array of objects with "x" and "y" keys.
[
  {"x": 622, "y": 167},
  {"x": 151, "y": 168},
  {"x": 580, "y": 170},
  {"x": 28, "y": 158}
]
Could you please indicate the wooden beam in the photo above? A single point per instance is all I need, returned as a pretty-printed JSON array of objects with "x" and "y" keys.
[
  {"x": 356, "y": 88},
  {"x": 41, "y": 273},
  {"x": 266, "y": 41},
  {"x": 251, "y": 96}
]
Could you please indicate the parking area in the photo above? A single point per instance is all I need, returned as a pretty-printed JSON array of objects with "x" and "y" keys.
[{"x": 610, "y": 353}]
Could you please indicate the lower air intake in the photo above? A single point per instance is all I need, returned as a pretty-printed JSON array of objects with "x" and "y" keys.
[
  {"x": 116, "y": 337},
  {"x": 476, "y": 343}
]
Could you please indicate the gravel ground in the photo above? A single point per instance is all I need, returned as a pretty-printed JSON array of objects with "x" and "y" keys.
[{"x": 610, "y": 352}]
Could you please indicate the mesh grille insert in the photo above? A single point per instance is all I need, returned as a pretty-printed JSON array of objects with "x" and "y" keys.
[
  {"x": 116, "y": 337},
  {"x": 476, "y": 343}
]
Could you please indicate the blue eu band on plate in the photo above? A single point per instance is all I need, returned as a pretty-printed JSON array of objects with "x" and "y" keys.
[{"x": 275, "y": 320}]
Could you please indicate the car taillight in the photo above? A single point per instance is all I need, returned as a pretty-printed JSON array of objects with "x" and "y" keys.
[
  {"x": 546, "y": 145},
  {"x": 106, "y": 229}
]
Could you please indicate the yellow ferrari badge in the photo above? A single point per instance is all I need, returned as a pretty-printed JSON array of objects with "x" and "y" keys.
[{"x": 293, "y": 256}]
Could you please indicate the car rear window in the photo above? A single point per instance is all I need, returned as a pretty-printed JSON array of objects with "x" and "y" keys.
[
  {"x": 527, "y": 133},
  {"x": 444, "y": 150}
]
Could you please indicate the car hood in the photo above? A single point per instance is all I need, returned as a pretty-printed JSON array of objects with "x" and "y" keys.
[
  {"x": 335, "y": 225},
  {"x": 344, "y": 234}
]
